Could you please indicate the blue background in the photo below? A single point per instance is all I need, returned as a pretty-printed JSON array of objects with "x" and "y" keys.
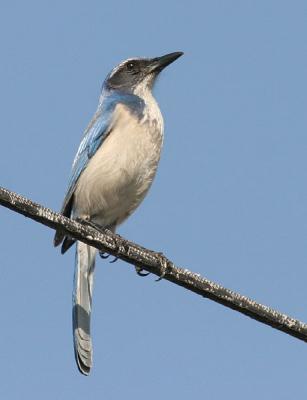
[{"x": 229, "y": 200}]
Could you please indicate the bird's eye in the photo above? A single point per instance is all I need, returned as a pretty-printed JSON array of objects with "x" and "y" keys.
[{"x": 130, "y": 66}]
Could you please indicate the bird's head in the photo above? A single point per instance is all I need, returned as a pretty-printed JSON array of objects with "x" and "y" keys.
[{"x": 136, "y": 75}]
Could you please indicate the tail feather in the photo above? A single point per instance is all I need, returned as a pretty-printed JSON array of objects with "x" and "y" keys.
[{"x": 82, "y": 306}]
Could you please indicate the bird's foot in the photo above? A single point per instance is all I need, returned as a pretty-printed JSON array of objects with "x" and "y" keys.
[
  {"x": 100, "y": 229},
  {"x": 163, "y": 266}
]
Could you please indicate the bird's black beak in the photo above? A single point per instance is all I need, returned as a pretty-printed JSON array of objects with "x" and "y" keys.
[{"x": 159, "y": 63}]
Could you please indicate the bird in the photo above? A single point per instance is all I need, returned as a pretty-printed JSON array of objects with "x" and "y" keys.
[{"x": 112, "y": 172}]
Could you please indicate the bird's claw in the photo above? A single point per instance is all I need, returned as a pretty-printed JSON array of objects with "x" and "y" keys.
[
  {"x": 139, "y": 270},
  {"x": 104, "y": 255}
]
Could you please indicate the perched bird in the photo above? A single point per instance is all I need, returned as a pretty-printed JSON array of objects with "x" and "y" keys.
[{"x": 112, "y": 171}]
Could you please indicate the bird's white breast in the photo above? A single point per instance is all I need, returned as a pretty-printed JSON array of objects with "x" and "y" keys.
[{"x": 120, "y": 173}]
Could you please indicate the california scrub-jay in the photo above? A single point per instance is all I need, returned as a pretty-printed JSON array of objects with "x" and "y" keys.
[{"x": 111, "y": 174}]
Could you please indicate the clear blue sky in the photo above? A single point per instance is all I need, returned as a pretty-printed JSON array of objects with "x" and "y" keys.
[{"x": 229, "y": 201}]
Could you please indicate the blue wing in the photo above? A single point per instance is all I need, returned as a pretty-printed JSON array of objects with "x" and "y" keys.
[
  {"x": 96, "y": 132},
  {"x": 94, "y": 135}
]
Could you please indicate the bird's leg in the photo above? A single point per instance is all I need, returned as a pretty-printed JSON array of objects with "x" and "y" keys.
[{"x": 90, "y": 223}]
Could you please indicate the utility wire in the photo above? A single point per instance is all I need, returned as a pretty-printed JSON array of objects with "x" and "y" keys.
[{"x": 154, "y": 262}]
